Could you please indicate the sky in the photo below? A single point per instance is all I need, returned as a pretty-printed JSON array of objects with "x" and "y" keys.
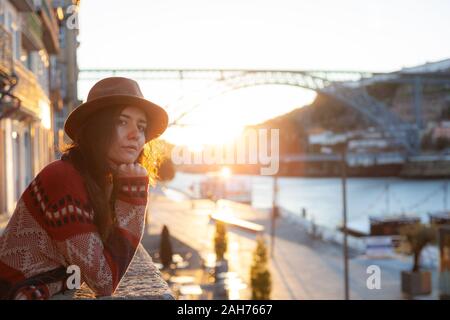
[{"x": 360, "y": 35}]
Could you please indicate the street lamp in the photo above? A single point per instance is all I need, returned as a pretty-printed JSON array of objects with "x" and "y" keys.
[
  {"x": 344, "y": 215},
  {"x": 275, "y": 214},
  {"x": 341, "y": 148}
]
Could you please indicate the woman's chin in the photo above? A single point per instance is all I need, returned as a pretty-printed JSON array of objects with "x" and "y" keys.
[{"x": 127, "y": 160}]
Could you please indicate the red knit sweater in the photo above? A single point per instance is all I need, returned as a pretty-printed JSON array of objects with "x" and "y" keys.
[{"x": 52, "y": 228}]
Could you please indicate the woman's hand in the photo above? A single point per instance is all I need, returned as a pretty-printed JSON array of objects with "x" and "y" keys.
[{"x": 131, "y": 170}]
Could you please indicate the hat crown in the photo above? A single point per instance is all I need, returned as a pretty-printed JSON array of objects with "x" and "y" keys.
[{"x": 114, "y": 86}]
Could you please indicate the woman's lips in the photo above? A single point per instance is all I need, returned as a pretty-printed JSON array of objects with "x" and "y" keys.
[{"x": 130, "y": 149}]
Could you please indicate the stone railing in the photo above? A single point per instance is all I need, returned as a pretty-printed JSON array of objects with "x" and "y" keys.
[{"x": 142, "y": 281}]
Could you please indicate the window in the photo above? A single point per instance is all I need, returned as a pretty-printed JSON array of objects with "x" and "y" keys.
[
  {"x": 37, "y": 4},
  {"x": 63, "y": 89},
  {"x": 2, "y": 171},
  {"x": 58, "y": 3},
  {"x": 8, "y": 21},
  {"x": 17, "y": 44},
  {"x": 2, "y": 13},
  {"x": 11, "y": 22},
  {"x": 29, "y": 61},
  {"x": 39, "y": 64},
  {"x": 62, "y": 37},
  {"x": 28, "y": 156},
  {"x": 16, "y": 137}
]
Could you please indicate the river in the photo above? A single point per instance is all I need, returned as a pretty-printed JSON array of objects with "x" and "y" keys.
[{"x": 322, "y": 197}]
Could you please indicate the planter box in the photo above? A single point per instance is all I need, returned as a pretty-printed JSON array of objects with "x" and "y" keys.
[{"x": 416, "y": 283}]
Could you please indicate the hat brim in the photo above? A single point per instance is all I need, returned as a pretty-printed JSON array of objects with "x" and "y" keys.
[{"x": 157, "y": 118}]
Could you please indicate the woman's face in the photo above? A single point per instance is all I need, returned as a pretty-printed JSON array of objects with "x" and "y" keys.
[{"x": 129, "y": 136}]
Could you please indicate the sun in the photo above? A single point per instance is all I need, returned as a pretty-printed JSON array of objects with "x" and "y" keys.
[{"x": 225, "y": 172}]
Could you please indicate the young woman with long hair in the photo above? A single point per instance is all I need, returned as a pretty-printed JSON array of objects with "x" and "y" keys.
[{"x": 88, "y": 208}]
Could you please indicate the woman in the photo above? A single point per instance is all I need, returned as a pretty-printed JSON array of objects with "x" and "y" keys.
[{"x": 88, "y": 208}]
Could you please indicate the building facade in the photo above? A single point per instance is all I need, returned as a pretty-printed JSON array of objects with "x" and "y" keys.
[
  {"x": 31, "y": 92},
  {"x": 65, "y": 68}
]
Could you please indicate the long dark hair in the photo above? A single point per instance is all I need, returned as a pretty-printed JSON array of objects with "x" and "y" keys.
[{"x": 88, "y": 153}]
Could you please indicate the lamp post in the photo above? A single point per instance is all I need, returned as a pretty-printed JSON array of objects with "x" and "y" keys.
[
  {"x": 274, "y": 215},
  {"x": 341, "y": 148},
  {"x": 445, "y": 195},
  {"x": 444, "y": 270},
  {"x": 344, "y": 214}
]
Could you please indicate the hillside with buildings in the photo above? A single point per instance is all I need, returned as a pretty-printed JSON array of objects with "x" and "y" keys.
[{"x": 309, "y": 135}]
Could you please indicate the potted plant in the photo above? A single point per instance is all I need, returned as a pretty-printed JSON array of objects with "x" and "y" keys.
[
  {"x": 165, "y": 248},
  {"x": 417, "y": 281},
  {"x": 220, "y": 247},
  {"x": 260, "y": 278}
]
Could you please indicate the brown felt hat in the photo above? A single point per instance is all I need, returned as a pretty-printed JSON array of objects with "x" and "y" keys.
[{"x": 115, "y": 91}]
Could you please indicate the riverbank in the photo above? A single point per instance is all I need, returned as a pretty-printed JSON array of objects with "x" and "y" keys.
[{"x": 393, "y": 165}]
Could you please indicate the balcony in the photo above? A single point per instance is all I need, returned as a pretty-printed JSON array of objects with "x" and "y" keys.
[
  {"x": 6, "y": 55},
  {"x": 8, "y": 102},
  {"x": 23, "y": 5},
  {"x": 55, "y": 84},
  {"x": 50, "y": 27},
  {"x": 28, "y": 90},
  {"x": 32, "y": 32}
]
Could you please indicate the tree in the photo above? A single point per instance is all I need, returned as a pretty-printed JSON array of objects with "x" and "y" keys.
[
  {"x": 445, "y": 113},
  {"x": 418, "y": 237},
  {"x": 427, "y": 142},
  {"x": 441, "y": 143},
  {"x": 260, "y": 277},
  {"x": 220, "y": 240},
  {"x": 165, "y": 248},
  {"x": 166, "y": 171}
]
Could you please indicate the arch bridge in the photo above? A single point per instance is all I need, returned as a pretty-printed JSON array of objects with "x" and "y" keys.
[{"x": 348, "y": 87}]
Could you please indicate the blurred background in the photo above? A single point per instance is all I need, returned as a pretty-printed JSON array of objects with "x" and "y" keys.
[{"x": 358, "y": 91}]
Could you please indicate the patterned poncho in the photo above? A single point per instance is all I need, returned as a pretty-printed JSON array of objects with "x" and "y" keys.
[{"x": 53, "y": 228}]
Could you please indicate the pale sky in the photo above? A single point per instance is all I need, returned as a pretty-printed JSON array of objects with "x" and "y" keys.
[{"x": 272, "y": 34}]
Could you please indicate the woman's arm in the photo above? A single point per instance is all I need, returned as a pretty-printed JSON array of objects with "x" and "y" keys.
[{"x": 130, "y": 208}]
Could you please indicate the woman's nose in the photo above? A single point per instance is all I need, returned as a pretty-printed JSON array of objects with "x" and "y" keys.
[{"x": 133, "y": 132}]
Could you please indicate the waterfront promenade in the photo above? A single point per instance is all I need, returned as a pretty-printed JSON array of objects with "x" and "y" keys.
[{"x": 301, "y": 267}]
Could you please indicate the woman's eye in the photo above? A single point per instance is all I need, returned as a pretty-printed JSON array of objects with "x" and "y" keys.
[
  {"x": 141, "y": 128},
  {"x": 122, "y": 122}
]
